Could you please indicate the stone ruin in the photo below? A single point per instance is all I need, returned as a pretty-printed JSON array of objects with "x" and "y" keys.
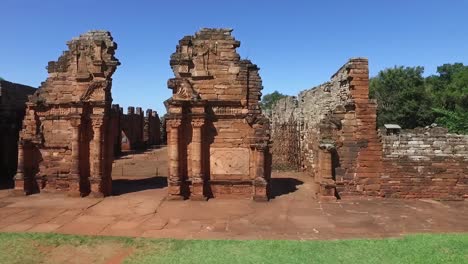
[
  {"x": 340, "y": 146},
  {"x": 66, "y": 140},
  {"x": 137, "y": 130},
  {"x": 217, "y": 136},
  {"x": 13, "y": 98}
]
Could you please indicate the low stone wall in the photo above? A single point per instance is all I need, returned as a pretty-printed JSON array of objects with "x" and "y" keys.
[{"x": 425, "y": 163}]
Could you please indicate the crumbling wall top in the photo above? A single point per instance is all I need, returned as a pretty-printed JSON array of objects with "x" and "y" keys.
[{"x": 90, "y": 61}]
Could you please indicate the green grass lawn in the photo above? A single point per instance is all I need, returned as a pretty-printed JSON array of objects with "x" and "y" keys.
[{"x": 55, "y": 248}]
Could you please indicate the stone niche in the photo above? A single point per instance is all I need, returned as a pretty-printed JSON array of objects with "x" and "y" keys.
[
  {"x": 66, "y": 140},
  {"x": 217, "y": 136}
]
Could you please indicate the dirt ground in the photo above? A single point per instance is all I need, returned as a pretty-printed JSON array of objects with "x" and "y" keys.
[{"x": 138, "y": 208}]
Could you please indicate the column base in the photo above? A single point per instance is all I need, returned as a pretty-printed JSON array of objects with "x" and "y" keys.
[
  {"x": 260, "y": 189},
  {"x": 96, "y": 190},
  {"x": 24, "y": 186},
  {"x": 196, "y": 193},
  {"x": 74, "y": 186}
]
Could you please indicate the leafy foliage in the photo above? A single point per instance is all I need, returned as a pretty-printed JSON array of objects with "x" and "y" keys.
[
  {"x": 268, "y": 100},
  {"x": 407, "y": 98}
]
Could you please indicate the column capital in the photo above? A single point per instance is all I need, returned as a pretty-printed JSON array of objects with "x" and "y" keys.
[
  {"x": 97, "y": 121},
  {"x": 75, "y": 121},
  {"x": 174, "y": 123},
  {"x": 198, "y": 122},
  {"x": 259, "y": 146}
]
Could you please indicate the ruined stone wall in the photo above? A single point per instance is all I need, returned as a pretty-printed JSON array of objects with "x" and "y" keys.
[
  {"x": 66, "y": 140},
  {"x": 217, "y": 135},
  {"x": 425, "y": 163},
  {"x": 116, "y": 128},
  {"x": 133, "y": 131},
  {"x": 336, "y": 127},
  {"x": 152, "y": 128},
  {"x": 132, "y": 125},
  {"x": 13, "y": 98}
]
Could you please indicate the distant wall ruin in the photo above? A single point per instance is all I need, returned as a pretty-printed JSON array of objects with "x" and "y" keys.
[
  {"x": 339, "y": 144},
  {"x": 336, "y": 130},
  {"x": 13, "y": 98},
  {"x": 217, "y": 136},
  {"x": 136, "y": 131},
  {"x": 66, "y": 140}
]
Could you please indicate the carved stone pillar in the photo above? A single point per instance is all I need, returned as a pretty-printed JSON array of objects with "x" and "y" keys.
[
  {"x": 19, "y": 177},
  {"x": 175, "y": 183},
  {"x": 75, "y": 157},
  {"x": 325, "y": 173},
  {"x": 260, "y": 183},
  {"x": 97, "y": 166},
  {"x": 197, "y": 160}
]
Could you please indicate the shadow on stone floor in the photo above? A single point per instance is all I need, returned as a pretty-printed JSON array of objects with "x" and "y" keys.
[
  {"x": 6, "y": 184},
  {"x": 123, "y": 186},
  {"x": 126, "y": 153},
  {"x": 282, "y": 186}
]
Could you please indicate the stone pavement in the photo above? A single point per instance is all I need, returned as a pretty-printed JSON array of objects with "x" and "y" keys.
[{"x": 139, "y": 209}]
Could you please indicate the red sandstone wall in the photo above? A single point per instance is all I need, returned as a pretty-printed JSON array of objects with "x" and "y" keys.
[
  {"x": 336, "y": 125},
  {"x": 366, "y": 145}
]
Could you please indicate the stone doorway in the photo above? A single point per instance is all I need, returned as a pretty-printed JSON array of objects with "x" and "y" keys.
[{"x": 136, "y": 171}]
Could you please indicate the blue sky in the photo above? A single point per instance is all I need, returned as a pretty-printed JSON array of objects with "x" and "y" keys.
[{"x": 297, "y": 44}]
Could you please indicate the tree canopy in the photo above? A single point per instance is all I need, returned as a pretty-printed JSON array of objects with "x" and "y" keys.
[
  {"x": 268, "y": 100},
  {"x": 406, "y": 98}
]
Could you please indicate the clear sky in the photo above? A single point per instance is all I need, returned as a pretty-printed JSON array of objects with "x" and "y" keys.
[{"x": 297, "y": 44}]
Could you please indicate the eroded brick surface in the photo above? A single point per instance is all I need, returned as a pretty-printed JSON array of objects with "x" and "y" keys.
[
  {"x": 425, "y": 163},
  {"x": 66, "y": 140},
  {"x": 335, "y": 125},
  {"x": 340, "y": 146},
  {"x": 217, "y": 135}
]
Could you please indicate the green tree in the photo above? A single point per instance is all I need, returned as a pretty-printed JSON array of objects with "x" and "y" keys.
[
  {"x": 449, "y": 89},
  {"x": 402, "y": 97},
  {"x": 268, "y": 100}
]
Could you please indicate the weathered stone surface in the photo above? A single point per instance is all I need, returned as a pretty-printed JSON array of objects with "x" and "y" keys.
[
  {"x": 134, "y": 130},
  {"x": 330, "y": 131},
  {"x": 335, "y": 125},
  {"x": 217, "y": 136},
  {"x": 66, "y": 140},
  {"x": 13, "y": 98},
  {"x": 425, "y": 163}
]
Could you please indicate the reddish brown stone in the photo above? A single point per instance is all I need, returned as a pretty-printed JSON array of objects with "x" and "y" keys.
[
  {"x": 217, "y": 136},
  {"x": 66, "y": 141}
]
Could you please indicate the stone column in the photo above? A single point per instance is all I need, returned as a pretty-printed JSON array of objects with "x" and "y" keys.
[
  {"x": 197, "y": 161},
  {"x": 19, "y": 177},
  {"x": 325, "y": 173},
  {"x": 260, "y": 184},
  {"x": 96, "y": 175},
  {"x": 75, "y": 157},
  {"x": 175, "y": 183}
]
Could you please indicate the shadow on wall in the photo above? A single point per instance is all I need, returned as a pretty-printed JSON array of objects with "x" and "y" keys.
[
  {"x": 123, "y": 186},
  {"x": 282, "y": 186}
]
